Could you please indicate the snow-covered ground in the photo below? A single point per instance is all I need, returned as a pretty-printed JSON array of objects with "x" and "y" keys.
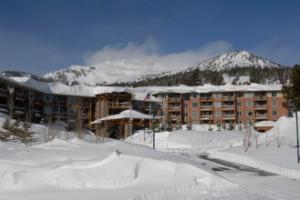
[
  {"x": 274, "y": 150},
  {"x": 71, "y": 168},
  {"x": 114, "y": 170},
  {"x": 189, "y": 140}
]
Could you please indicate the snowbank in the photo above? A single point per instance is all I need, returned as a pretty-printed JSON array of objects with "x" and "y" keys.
[
  {"x": 197, "y": 141},
  {"x": 275, "y": 150},
  {"x": 114, "y": 166}
]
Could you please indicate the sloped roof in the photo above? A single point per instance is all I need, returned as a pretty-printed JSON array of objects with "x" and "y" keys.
[{"x": 126, "y": 114}]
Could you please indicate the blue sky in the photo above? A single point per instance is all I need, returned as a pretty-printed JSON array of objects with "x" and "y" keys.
[{"x": 40, "y": 36}]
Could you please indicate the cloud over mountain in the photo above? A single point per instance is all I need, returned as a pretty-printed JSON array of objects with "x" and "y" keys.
[{"x": 149, "y": 53}]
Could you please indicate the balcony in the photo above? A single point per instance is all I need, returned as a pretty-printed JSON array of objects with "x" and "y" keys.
[
  {"x": 228, "y": 116},
  {"x": 206, "y": 117},
  {"x": 260, "y": 98},
  {"x": 174, "y": 99},
  {"x": 204, "y": 99},
  {"x": 260, "y": 107},
  {"x": 261, "y": 116},
  {"x": 228, "y": 107},
  {"x": 206, "y": 107},
  {"x": 19, "y": 96},
  {"x": 3, "y": 92},
  {"x": 174, "y": 116},
  {"x": 228, "y": 98},
  {"x": 121, "y": 105},
  {"x": 177, "y": 108}
]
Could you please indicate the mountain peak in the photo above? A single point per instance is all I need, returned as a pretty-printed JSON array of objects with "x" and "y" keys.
[{"x": 237, "y": 58}]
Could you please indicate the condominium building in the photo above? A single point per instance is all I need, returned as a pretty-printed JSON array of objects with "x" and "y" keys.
[
  {"x": 77, "y": 106},
  {"x": 221, "y": 105}
]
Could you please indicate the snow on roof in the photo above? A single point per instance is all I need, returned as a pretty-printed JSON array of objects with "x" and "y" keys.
[
  {"x": 265, "y": 123},
  {"x": 110, "y": 89},
  {"x": 126, "y": 114},
  {"x": 54, "y": 87},
  {"x": 219, "y": 88},
  {"x": 139, "y": 93}
]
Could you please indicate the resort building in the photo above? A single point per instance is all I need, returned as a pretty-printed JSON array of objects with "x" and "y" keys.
[
  {"x": 234, "y": 104},
  {"x": 77, "y": 106}
]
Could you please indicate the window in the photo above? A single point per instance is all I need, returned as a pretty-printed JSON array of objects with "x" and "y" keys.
[
  {"x": 217, "y": 95},
  {"x": 274, "y": 94},
  {"x": 194, "y": 104},
  {"x": 274, "y": 112},
  {"x": 274, "y": 103},
  {"x": 250, "y": 113},
  {"x": 218, "y": 113},
  {"x": 218, "y": 104},
  {"x": 249, "y": 94},
  {"x": 249, "y": 103},
  {"x": 194, "y": 114}
]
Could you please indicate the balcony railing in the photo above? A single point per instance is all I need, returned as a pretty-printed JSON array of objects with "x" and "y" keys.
[
  {"x": 261, "y": 116},
  {"x": 228, "y": 116},
  {"x": 228, "y": 98},
  {"x": 3, "y": 92},
  {"x": 228, "y": 107},
  {"x": 206, "y": 107},
  {"x": 206, "y": 116},
  {"x": 174, "y": 99},
  {"x": 261, "y": 107},
  {"x": 260, "y": 98},
  {"x": 205, "y": 99},
  {"x": 174, "y": 116},
  {"x": 119, "y": 105},
  {"x": 174, "y": 108}
]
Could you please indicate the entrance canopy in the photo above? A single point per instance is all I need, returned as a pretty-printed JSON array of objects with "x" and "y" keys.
[{"x": 126, "y": 114}]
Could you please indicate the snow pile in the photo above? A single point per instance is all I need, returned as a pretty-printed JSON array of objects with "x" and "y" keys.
[
  {"x": 273, "y": 151},
  {"x": 196, "y": 141},
  {"x": 103, "y": 168}
]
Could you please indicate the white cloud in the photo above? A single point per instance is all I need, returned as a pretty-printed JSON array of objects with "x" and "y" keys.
[{"x": 148, "y": 53}]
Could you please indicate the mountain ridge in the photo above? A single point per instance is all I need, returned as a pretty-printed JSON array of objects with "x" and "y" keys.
[{"x": 134, "y": 72}]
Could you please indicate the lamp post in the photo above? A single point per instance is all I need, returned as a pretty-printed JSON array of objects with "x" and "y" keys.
[
  {"x": 297, "y": 132},
  {"x": 153, "y": 125}
]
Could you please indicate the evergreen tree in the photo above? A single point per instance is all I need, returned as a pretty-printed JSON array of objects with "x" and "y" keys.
[{"x": 292, "y": 92}]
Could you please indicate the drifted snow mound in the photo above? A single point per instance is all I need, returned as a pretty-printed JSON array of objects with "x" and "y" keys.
[
  {"x": 284, "y": 132},
  {"x": 189, "y": 140},
  {"x": 115, "y": 170}
]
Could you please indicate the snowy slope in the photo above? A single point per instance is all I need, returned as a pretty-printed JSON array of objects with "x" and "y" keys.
[
  {"x": 105, "y": 72},
  {"x": 112, "y": 71},
  {"x": 234, "y": 59}
]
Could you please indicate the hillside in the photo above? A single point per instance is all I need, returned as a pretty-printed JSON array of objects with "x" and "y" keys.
[{"x": 235, "y": 67}]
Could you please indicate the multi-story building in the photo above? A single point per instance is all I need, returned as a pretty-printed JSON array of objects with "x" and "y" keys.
[
  {"x": 32, "y": 104},
  {"x": 222, "y": 105},
  {"x": 228, "y": 104}
]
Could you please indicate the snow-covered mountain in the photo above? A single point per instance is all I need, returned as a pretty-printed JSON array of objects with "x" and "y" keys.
[
  {"x": 139, "y": 72},
  {"x": 106, "y": 72},
  {"x": 112, "y": 71},
  {"x": 239, "y": 58},
  {"x": 237, "y": 67}
]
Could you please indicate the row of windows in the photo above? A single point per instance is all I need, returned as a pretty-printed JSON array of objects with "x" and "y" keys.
[
  {"x": 219, "y": 113},
  {"x": 219, "y": 95}
]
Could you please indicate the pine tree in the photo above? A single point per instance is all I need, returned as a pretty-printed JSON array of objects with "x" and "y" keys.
[{"x": 292, "y": 92}]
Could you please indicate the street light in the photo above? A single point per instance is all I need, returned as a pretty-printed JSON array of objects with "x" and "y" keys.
[
  {"x": 154, "y": 111},
  {"x": 297, "y": 132}
]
